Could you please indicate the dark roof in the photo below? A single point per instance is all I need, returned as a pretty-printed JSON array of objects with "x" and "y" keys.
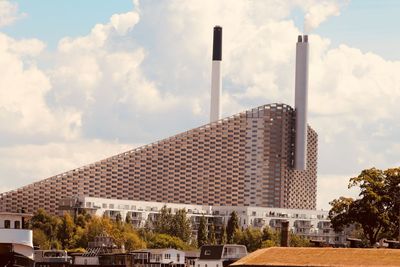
[
  {"x": 211, "y": 252},
  {"x": 319, "y": 257}
]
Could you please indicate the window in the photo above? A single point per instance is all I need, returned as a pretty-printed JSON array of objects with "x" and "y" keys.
[
  {"x": 7, "y": 224},
  {"x": 104, "y": 205},
  {"x": 178, "y": 257},
  {"x": 17, "y": 224},
  {"x": 207, "y": 252},
  {"x": 167, "y": 256}
]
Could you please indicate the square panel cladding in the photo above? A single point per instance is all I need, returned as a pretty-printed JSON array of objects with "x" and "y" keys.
[{"x": 242, "y": 160}]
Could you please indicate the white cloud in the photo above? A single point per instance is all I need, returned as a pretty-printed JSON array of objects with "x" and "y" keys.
[
  {"x": 100, "y": 64},
  {"x": 22, "y": 94},
  {"x": 9, "y": 13},
  {"x": 331, "y": 187},
  {"x": 318, "y": 12},
  {"x": 23, "y": 164},
  {"x": 122, "y": 23}
]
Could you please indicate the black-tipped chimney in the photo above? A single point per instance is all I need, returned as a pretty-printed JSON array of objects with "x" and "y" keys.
[
  {"x": 299, "y": 39},
  {"x": 217, "y": 43},
  {"x": 215, "y": 107}
]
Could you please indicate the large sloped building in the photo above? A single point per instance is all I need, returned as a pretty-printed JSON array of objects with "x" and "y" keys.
[
  {"x": 263, "y": 157},
  {"x": 243, "y": 160}
]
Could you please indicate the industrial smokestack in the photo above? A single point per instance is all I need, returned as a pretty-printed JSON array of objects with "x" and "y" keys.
[
  {"x": 301, "y": 95},
  {"x": 215, "y": 108}
]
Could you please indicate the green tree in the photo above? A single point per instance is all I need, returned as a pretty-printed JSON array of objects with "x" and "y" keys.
[
  {"x": 167, "y": 241},
  {"x": 393, "y": 190},
  {"x": 163, "y": 223},
  {"x": 267, "y": 233},
  {"x": 99, "y": 226},
  {"x": 223, "y": 239},
  {"x": 270, "y": 238},
  {"x": 40, "y": 239},
  {"x": 298, "y": 241},
  {"x": 212, "y": 240},
  {"x": 55, "y": 244},
  {"x": 53, "y": 232},
  {"x": 128, "y": 219},
  {"x": 118, "y": 218},
  {"x": 45, "y": 222},
  {"x": 250, "y": 237},
  {"x": 66, "y": 231},
  {"x": 180, "y": 225},
  {"x": 253, "y": 238},
  {"x": 371, "y": 211},
  {"x": 82, "y": 219},
  {"x": 133, "y": 241},
  {"x": 232, "y": 226},
  {"x": 80, "y": 238},
  {"x": 202, "y": 232}
]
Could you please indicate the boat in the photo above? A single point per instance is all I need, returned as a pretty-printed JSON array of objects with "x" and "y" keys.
[{"x": 16, "y": 245}]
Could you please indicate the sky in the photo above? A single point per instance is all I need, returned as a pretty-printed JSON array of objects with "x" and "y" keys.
[{"x": 84, "y": 80}]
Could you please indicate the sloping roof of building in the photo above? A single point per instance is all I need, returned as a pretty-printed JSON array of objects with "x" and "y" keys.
[{"x": 321, "y": 257}]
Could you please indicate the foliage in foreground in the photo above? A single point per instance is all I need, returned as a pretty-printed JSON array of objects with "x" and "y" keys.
[
  {"x": 169, "y": 230},
  {"x": 255, "y": 238},
  {"x": 376, "y": 212},
  {"x": 53, "y": 232}
]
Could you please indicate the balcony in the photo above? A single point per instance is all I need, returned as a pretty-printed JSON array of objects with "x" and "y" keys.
[
  {"x": 302, "y": 224},
  {"x": 324, "y": 225},
  {"x": 259, "y": 222}
]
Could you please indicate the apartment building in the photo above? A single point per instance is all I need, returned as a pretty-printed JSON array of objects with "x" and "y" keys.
[{"x": 312, "y": 224}]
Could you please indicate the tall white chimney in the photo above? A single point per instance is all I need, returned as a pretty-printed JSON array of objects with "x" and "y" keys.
[
  {"x": 215, "y": 108},
  {"x": 301, "y": 95}
]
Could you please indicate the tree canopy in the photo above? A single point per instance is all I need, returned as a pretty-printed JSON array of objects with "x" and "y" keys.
[
  {"x": 232, "y": 226},
  {"x": 74, "y": 233},
  {"x": 255, "y": 238},
  {"x": 212, "y": 240},
  {"x": 376, "y": 210},
  {"x": 202, "y": 232}
]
